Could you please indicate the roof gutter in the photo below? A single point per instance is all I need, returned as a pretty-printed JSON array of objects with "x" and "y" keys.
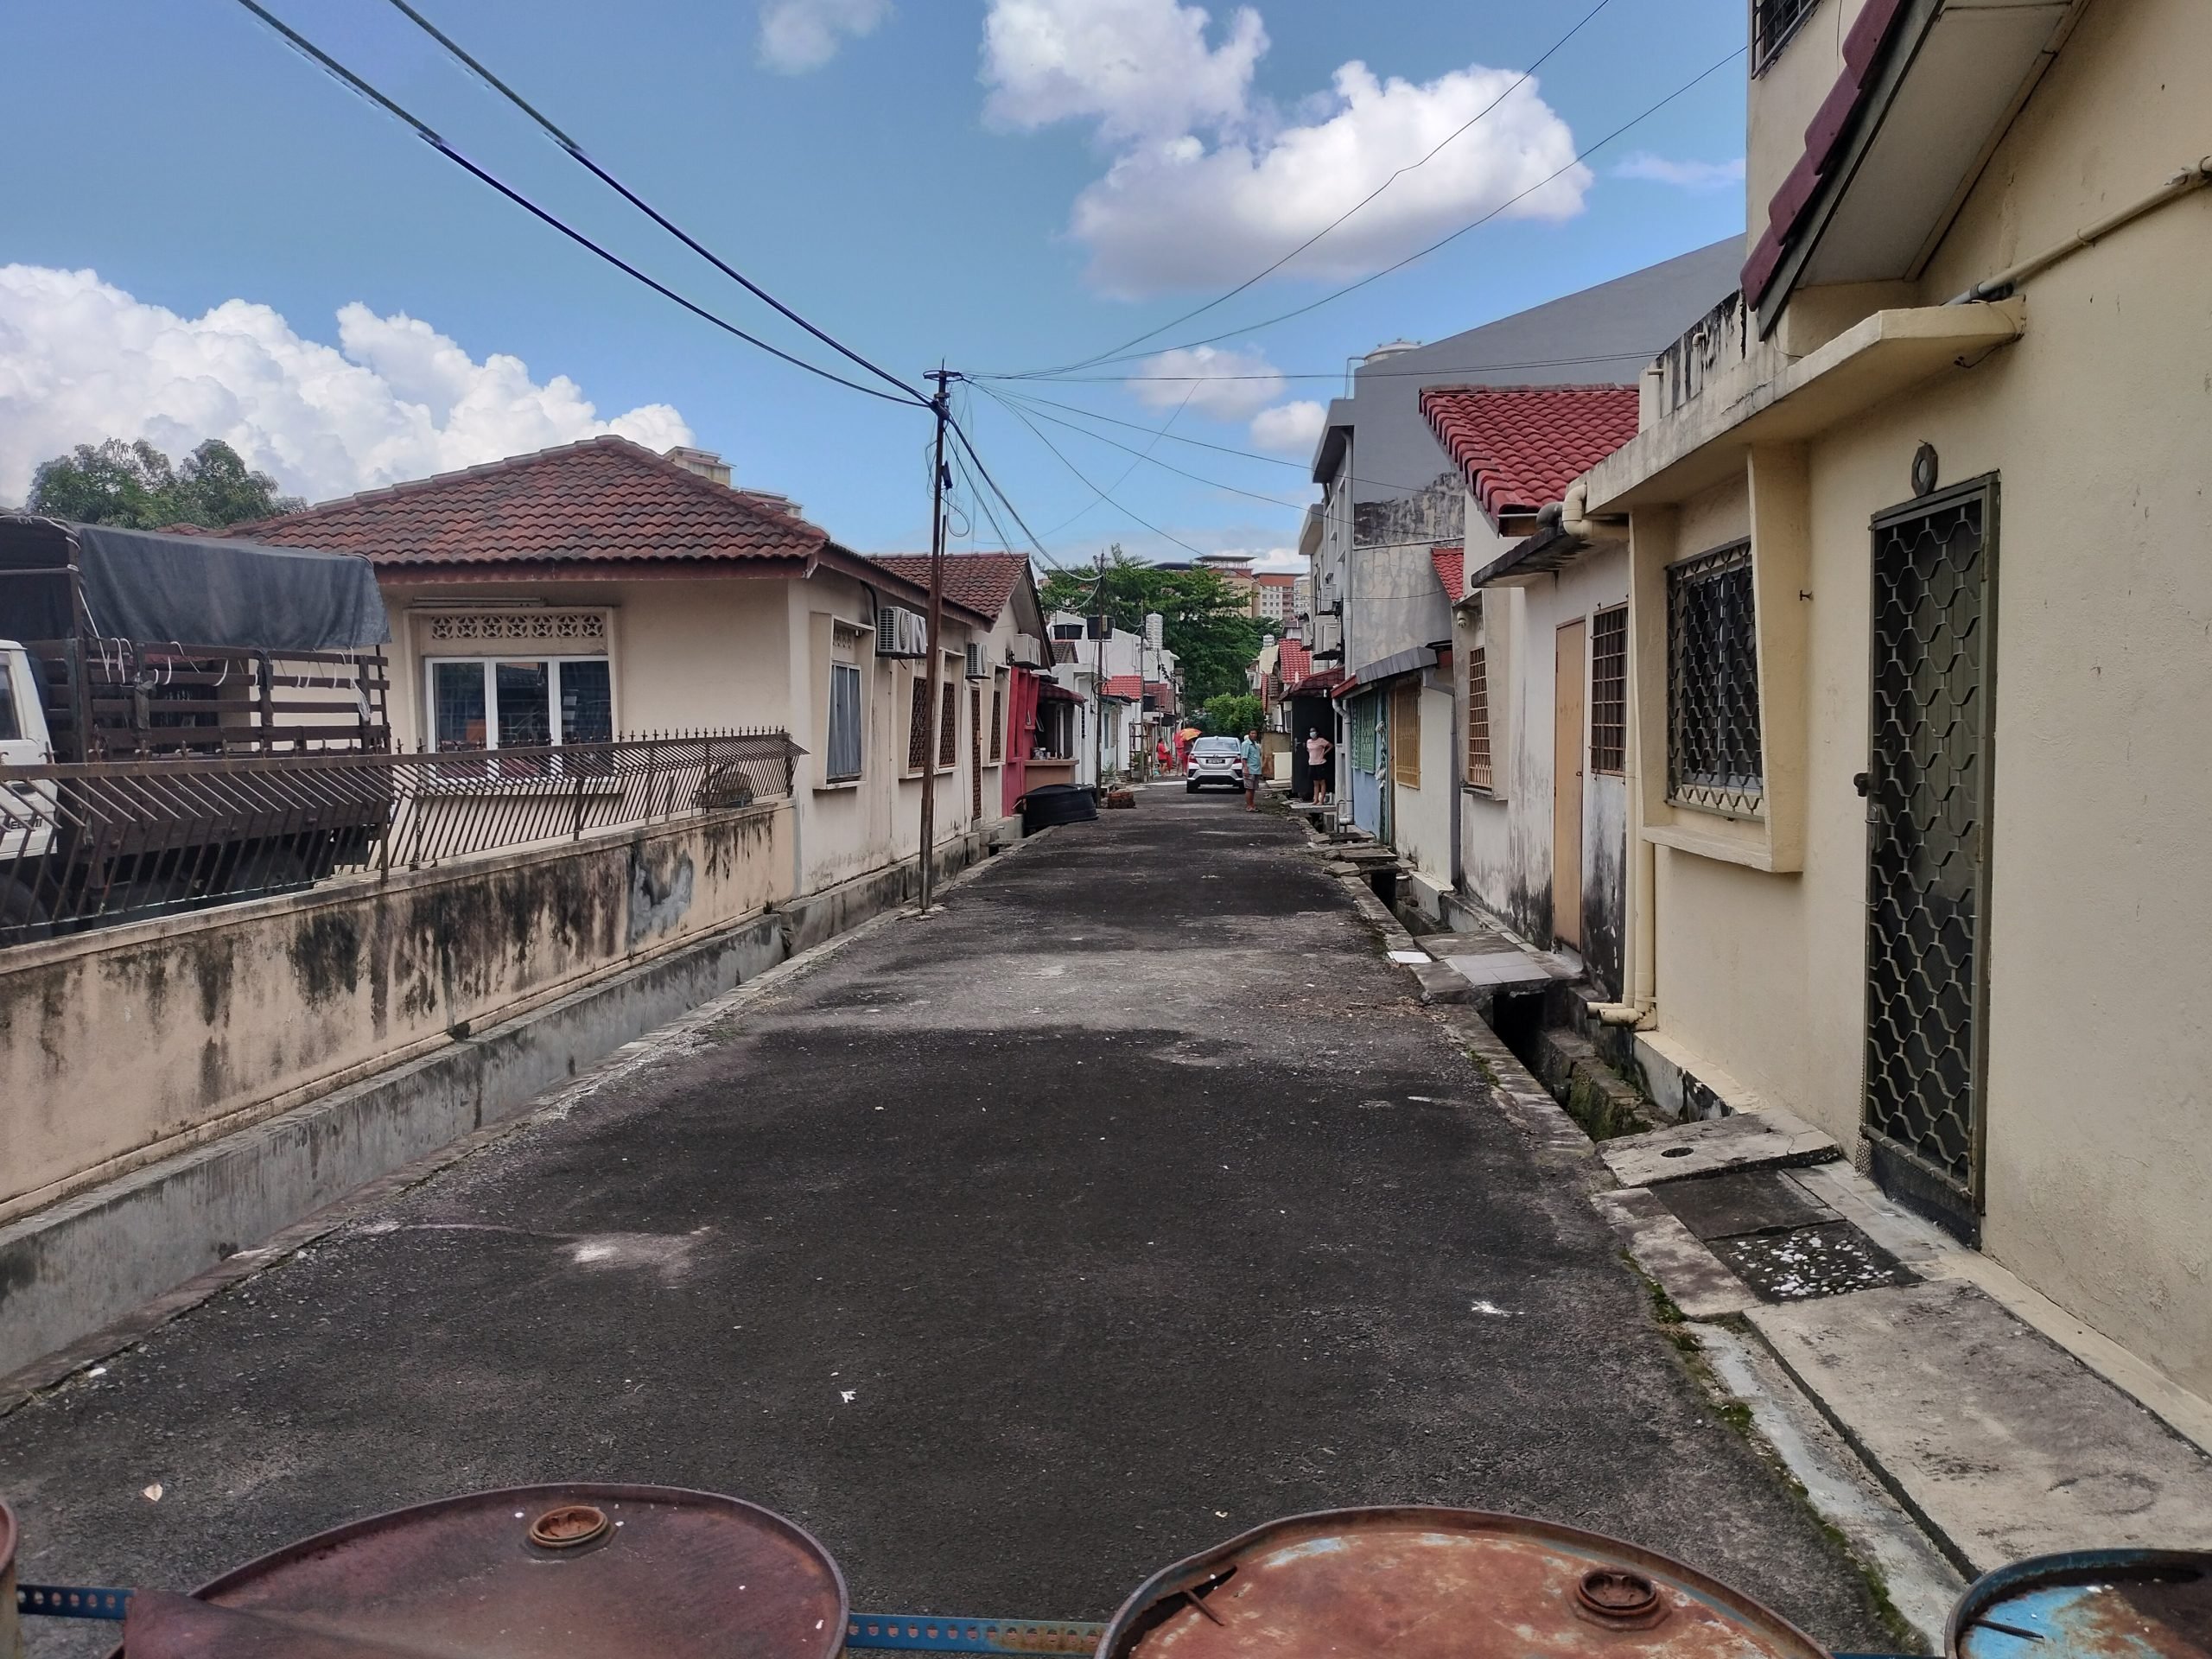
[{"x": 2004, "y": 283}]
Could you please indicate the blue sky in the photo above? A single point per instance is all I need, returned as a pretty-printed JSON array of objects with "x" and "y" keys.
[{"x": 910, "y": 175}]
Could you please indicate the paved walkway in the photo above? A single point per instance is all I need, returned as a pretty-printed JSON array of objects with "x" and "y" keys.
[{"x": 1127, "y": 1203}]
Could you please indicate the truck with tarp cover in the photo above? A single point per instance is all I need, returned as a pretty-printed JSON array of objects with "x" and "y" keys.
[{"x": 170, "y": 705}]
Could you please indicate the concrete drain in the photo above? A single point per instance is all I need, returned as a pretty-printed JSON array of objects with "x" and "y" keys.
[{"x": 1827, "y": 1260}]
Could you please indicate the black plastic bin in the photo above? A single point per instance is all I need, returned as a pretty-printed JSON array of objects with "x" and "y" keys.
[{"x": 1050, "y": 803}]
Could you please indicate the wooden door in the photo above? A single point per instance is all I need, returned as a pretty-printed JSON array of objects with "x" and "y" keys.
[{"x": 1567, "y": 761}]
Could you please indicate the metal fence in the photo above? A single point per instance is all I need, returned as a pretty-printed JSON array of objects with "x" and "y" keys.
[{"x": 91, "y": 845}]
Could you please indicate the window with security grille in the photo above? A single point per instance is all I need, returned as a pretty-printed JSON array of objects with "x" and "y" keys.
[
  {"x": 1405, "y": 733},
  {"x": 917, "y": 737},
  {"x": 998, "y": 721},
  {"x": 844, "y": 745},
  {"x": 1362, "y": 734},
  {"x": 1713, "y": 755},
  {"x": 948, "y": 728},
  {"x": 1478, "y": 767},
  {"x": 1773, "y": 22},
  {"x": 1608, "y": 688}
]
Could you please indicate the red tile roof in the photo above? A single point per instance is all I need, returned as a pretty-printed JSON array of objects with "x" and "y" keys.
[
  {"x": 1521, "y": 445},
  {"x": 1292, "y": 663},
  {"x": 605, "y": 500},
  {"x": 1124, "y": 685},
  {"x": 1450, "y": 564},
  {"x": 981, "y": 582},
  {"x": 1275, "y": 579}
]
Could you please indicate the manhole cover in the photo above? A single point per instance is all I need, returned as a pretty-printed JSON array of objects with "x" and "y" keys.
[
  {"x": 1808, "y": 1262},
  {"x": 1741, "y": 1201}
]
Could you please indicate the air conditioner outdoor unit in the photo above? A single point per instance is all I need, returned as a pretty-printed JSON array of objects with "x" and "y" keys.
[
  {"x": 901, "y": 632},
  {"x": 1026, "y": 651},
  {"x": 979, "y": 664}
]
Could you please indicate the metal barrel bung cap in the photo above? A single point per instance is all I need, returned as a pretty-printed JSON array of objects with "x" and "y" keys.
[
  {"x": 2089, "y": 1604},
  {"x": 1441, "y": 1584},
  {"x": 527, "y": 1573}
]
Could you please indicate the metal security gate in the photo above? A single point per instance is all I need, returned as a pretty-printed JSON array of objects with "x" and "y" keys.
[{"x": 1928, "y": 798}]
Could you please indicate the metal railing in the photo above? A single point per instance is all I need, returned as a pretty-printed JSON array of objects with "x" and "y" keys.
[{"x": 94, "y": 845}]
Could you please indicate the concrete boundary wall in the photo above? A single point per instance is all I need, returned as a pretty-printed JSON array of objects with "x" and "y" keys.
[{"x": 78, "y": 1264}]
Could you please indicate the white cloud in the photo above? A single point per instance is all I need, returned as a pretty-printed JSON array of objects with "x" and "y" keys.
[
  {"x": 1207, "y": 184},
  {"x": 1141, "y": 68},
  {"x": 1685, "y": 175},
  {"x": 1294, "y": 428},
  {"x": 797, "y": 35},
  {"x": 80, "y": 361},
  {"x": 1230, "y": 385}
]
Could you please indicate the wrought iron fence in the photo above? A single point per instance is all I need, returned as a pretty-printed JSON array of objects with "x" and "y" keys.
[{"x": 91, "y": 845}]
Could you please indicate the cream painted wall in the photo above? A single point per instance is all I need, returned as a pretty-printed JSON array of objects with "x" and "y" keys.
[
  {"x": 2098, "y": 423},
  {"x": 741, "y": 652},
  {"x": 1421, "y": 822},
  {"x": 1506, "y": 836},
  {"x": 1782, "y": 102}
]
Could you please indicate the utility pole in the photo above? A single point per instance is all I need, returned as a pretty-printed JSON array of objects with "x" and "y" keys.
[
  {"x": 931, "y": 669},
  {"x": 1098, "y": 679}
]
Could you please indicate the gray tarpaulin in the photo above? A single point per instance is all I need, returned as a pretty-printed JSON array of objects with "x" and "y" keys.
[{"x": 151, "y": 587}]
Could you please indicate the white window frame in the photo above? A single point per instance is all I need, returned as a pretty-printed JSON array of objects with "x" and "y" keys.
[
  {"x": 487, "y": 664},
  {"x": 860, "y": 727}
]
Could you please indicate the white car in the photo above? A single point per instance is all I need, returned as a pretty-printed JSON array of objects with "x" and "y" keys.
[{"x": 1215, "y": 760}]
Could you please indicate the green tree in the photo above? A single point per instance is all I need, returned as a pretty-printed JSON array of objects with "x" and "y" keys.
[
  {"x": 1232, "y": 714},
  {"x": 1204, "y": 620},
  {"x": 134, "y": 485}
]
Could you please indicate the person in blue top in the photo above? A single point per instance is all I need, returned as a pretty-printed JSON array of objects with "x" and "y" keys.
[{"x": 1253, "y": 762}]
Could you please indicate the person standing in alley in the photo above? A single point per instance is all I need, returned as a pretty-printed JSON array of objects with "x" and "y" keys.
[
  {"x": 1317, "y": 763},
  {"x": 1253, "y": 762}
]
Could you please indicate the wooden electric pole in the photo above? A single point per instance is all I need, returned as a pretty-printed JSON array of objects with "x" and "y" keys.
[{"x": 932, "y": 668}]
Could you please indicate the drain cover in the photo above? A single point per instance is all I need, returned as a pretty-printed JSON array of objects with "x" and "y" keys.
[{"x": 1808, "y": 1262}]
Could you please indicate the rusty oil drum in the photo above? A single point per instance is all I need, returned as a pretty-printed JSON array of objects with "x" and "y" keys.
[
  {"x": 528, "y": 1572},
  {"x": 2089, "y": 1604},
  {"x": 1440, "y": 1584},
  {"x": 12, "y": 1629}
]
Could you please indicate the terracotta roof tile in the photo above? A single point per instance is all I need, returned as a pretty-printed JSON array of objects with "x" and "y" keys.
[
  {"x": 601, "y": 501},
  {"x": 1521, "y": 445},
  {"x": 1124, "y": 685},
  {"x": 980, "y": 582},
  {"x": 1450, "y": 564},
  {"x": 1292, "y": 663}
]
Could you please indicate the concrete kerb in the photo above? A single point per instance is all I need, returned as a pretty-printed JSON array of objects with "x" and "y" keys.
[
  {"x": 349, "y": 1152},
  {"x": 1847, "y": 1494}
]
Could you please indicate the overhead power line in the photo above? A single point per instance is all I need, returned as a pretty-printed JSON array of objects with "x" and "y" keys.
[
  {"x": 1322, "y": 374},
  {"x": 577, "y": 151},
  {"x": 1375, "y": 277},
  {"x": 1023, "y": 417},
  {"x": 1126, "y": 472},
  {"x": 1519, "y": 81},
  {"x": 422, "y": 130},
  {"x": 1143, "y": 455}
]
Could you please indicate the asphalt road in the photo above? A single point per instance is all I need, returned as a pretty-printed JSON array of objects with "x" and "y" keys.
[{"x": 1126, "y": 1202}]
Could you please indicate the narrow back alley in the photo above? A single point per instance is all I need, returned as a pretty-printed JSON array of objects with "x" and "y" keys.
[{"x": 1125, "y": 1203}]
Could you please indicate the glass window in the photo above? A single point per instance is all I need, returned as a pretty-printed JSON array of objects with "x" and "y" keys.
[
  {"x": 587, "y": 701},
  {"x": 844, "y": 722},
  {"x": 10, "y": 726},
  {"x": 526, "y": 707},
  {"x": 1713, "y": 752},
  {"x": 458, "y": 704},
  {"x": 478, "y": 702}
]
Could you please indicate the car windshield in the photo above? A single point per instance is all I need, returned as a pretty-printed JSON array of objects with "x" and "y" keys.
[{"x": 1216, "y": 745}]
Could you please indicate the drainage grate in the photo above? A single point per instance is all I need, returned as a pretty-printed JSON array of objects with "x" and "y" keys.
[{"x": 1827, "y": 1260}]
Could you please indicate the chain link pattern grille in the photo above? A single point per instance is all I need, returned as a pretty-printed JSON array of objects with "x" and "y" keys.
[
  {"x": 1478, "y": 767},
  {"x": 918, "y": 741},
  {"x": 1926, "y": 790},
  {"x": 947, "y": 725},
  {"x": 1714, "y": 757},
  {"x": 1608, "y": 688}
]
